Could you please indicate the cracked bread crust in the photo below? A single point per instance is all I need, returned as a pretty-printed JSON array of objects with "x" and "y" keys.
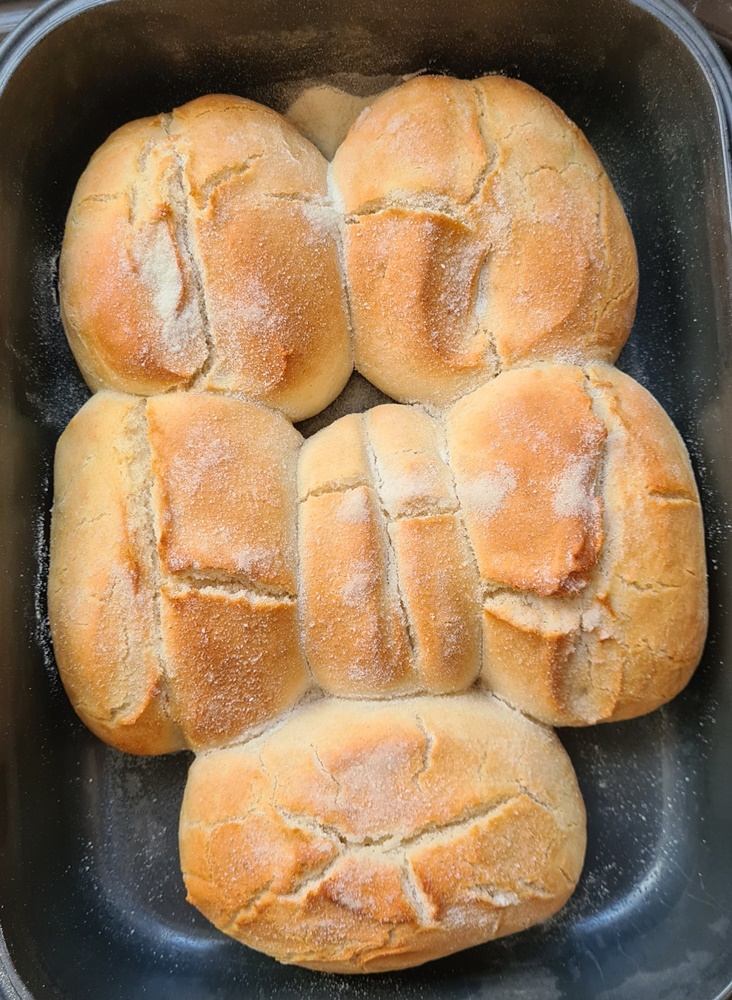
[
  {"x": 170, "y": 257},
  {"x": 546, "y": 539},
  {"x": 390, "y": 595},
  {"x": 490, "y": 237},
  {"x": 541, "y": 539},
  {"x": 558, "y": 500},
  {"x": 607, "y": 473},
  {"x": 358, "y": 837},
  {"x": 174, "y": 627},
  {"x": 102, "y": 579}
]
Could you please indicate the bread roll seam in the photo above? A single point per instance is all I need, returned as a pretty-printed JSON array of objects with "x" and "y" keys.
[
  {"x": 429, "y": 744},
  {"x": 421, "y": 904},
  {"x": 219, "y": 177},
  {"x": 336, "y": 203},
  {"x": 180, "y": 205},
  {"x": 443, "y": 444},
  {"x": 393, "y": 843},
  {"x": 225, "y": 583},
  {"x": 409, "y": 203},
  {"x": 144, "y": 457},
  {"x": 491, "y": 151},
  {"x": 392, "y": 568}
]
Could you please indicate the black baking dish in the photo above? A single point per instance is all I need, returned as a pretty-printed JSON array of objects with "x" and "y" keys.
[{"x": 91, "y": 900}]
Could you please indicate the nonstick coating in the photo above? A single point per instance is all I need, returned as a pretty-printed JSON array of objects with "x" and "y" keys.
[{"x": 91, "y": 900}]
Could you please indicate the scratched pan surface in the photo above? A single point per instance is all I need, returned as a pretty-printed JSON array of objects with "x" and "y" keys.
[{"x": 91, "y": 902}]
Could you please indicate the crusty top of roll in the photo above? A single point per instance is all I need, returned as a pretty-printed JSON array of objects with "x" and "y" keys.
[
  {"x": 425, "y": 136},
  {"x": 101, "y": 581},
  {"x": 360, "y": 837},
  {"x": 524, "y": 540},
  {"x": 583, "y": 512},
  {"x": 525, "y": 451},
  {"x": 172, "y": 584},
  {"x": 389, "y": 586},
  {"x": 222, "y": 491},
  {"x": 555, "y": 507},
  {"x": 200, "y": 250},
  {"x": 489, "y": 236}
]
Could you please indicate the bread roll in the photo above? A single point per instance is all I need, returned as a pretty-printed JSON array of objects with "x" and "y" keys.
[
  {"x": 360, "y": 837},
  {"x": 201, "y": 251},
  {"x": 390, "y": 598},
  {"x": 488, "y": 237},
  {"x": 172, "y": 584},
  {"x": 584, "y": 516}
]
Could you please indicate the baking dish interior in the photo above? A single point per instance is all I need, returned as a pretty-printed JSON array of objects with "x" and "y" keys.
[{"x": 91, "y": 900}]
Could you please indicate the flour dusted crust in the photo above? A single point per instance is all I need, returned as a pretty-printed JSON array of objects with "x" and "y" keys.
[
  {"x": 582, "y": 509},
  {"x": 418, "y": 826},
  {"x": 327, "y": 623},
  {"x": 490, "y": 236},
  {"x": 359, "y": 837},
  {"x": 101, "y": 581},
  {"x": 389, "y": 584},
  {"x": 558, "y": 500},
  {"x": 546, "y": 539},
  {"x": 180, "y": 231},
  {"x": 175, "y": 626},
  {"x": 526, "y": 451}
]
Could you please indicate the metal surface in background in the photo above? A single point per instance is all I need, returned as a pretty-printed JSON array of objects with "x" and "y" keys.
[
  {"x": 716, "y": 16},
  {"x": 91, "y": 900},
  {"x": 11, "y": 14}
]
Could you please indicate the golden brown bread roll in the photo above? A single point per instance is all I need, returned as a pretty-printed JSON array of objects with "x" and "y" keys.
[
  {"x": 526, "y": 452},
  {"x": 201, "y": 251},
  {"x": 390, "y": 595},
  {"x": 173, "y": 625},
  {"x": 360, "y": 837},
  {"x": 584, "y": 515},
  {"x": 488, "y": 237}
]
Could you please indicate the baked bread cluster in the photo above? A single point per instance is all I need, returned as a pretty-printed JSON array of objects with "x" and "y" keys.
[{"x": 365, "y": 636}]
